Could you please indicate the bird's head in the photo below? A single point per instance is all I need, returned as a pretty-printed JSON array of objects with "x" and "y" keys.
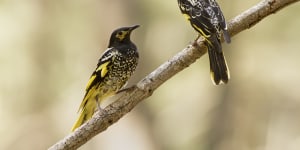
[{"x": 121, "y": 35}]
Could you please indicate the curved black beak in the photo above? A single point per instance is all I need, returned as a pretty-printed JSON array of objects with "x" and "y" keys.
[{"x": 134, "y": 27}]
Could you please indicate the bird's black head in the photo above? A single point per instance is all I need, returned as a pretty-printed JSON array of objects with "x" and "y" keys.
[{"x": 121, "y": 36}]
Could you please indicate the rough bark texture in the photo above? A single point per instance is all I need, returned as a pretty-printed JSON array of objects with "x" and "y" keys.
[{"x": 143, "y": 89}]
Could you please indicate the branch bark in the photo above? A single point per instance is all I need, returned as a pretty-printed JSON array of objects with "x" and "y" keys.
[{"x": 143, "y": 89}]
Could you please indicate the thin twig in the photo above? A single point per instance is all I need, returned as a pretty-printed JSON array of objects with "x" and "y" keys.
[{"x": 143, "y": 89}]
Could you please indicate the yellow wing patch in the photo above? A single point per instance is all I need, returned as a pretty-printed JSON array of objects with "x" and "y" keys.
[
  {"x": 92, "y": 78},
  {"x": 201, "y": 31},
  {"x": 187, "y": 17},
  {"x": 87, "y": 97},
  {"x": 103, "y": 68},
  {"x": 203, "y": 34}
]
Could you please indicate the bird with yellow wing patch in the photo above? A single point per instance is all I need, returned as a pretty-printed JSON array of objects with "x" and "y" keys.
[{"x": 114, "y": 68}]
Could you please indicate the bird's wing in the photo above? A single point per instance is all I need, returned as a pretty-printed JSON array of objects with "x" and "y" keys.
[
  {"x": 216, "y": 14},
  {"x": 102, "y": 68},
  {"x": 198, "y": 14},
  {"x": 99, "y": 74},
  {"x": 219, "y": 20},
  {"x": 205, "y": 16}
]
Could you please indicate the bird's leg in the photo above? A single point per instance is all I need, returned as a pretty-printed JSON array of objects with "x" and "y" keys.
[
  {"x": 195, "y": 43},
  {"x": 98, "y": 104},
  {"x": 126, "y": 89}
]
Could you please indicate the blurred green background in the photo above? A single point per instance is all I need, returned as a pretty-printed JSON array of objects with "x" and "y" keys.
[{"x": 50, "y": 48}]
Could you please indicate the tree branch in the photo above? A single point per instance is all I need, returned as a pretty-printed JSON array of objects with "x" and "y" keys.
[{"x": 143, "y": 89}]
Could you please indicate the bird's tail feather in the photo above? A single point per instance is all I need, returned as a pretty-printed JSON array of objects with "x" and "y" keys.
[
  {"x": 218, "y": 66},
  {"x": 85, "y": 114}
]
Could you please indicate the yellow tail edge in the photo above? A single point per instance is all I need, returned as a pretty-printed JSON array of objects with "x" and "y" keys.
[{"x": 79, "y": 121}]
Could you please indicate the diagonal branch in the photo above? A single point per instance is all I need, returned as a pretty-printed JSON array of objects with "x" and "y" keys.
[{"x": 143, "y": 89}]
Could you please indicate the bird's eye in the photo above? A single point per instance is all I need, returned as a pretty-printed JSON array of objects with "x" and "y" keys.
[{"x": 120, "y": 33}]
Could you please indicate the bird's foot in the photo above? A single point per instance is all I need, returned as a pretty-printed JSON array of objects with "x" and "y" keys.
[{"x": 126, "y": 89}]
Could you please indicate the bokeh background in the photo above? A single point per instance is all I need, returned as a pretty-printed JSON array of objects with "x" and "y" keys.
[{"x": 50, "y": 48}]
